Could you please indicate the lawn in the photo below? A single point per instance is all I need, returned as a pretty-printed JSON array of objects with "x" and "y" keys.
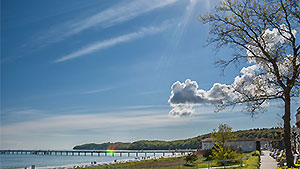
[{"x": 179, "y": 162}]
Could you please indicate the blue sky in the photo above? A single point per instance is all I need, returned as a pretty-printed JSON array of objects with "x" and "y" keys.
[{"x": 75, "y": 72}]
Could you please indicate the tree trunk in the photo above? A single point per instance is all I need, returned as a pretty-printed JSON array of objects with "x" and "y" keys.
[{"x": 287, "y": 129}]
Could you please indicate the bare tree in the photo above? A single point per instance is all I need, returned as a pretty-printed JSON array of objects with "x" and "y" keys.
[{"x": 263, "y": 33}]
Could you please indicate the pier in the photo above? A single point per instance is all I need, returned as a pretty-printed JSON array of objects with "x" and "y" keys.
[{"x": 97, "y": 152}]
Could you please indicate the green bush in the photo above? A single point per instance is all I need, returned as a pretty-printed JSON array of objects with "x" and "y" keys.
[
  {"x": 221, "y": 152},
  {"x": 253, "y": 161},
  {"x": 191, "y": 158},
  {"x": 256, "y": 153},
  {"x": 207, "y": 154}
]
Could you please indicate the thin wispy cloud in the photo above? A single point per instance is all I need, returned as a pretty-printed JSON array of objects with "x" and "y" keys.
[
  {"x": 72, "y": 129},
  {"x": 98, "y": 90},
  {"x": 146, "y": 107},
  {"x": 114, "y": 15},
  {"x": 112, "y": 42},
  {"x": 122, "y": 121},
  {"x": 120, "y": 13},
  {"x": 92, "y": 122},
  {"x": 21, "y": 115},
  {"x": 65, "y": 131}
]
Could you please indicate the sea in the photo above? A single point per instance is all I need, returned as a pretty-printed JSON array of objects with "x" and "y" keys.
[{"x": 59, "y": 161}]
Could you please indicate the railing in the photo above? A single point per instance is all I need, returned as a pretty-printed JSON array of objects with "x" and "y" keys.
[{"x": 95, "y": 152}]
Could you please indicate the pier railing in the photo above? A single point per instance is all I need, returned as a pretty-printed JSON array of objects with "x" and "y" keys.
[{"x": 96, "y": 152}]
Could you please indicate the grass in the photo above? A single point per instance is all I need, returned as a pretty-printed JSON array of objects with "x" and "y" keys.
[
  {"x": 150, "y": 163},
  {"x": 253, "y": 161},
  {"x": 146, "y": 163},
  {"x": 176, "y": 162}
]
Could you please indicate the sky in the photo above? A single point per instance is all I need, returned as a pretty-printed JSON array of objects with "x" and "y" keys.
[{"x": 75, "y": 72}]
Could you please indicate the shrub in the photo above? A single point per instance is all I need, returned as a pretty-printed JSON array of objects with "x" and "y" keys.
[
  {"x": 223, "y": 152},
  {"x": 253, "y": 161},
  {"x": 207, "y": 154},
  {"x": 191, "y": 158}
]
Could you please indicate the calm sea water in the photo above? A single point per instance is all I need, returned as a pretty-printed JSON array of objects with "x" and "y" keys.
[{"x": 51, "y": 161}]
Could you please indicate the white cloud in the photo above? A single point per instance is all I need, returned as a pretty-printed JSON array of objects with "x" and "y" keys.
[
  {"x": 188, "y": 93},
  {"x": 185, "y": 96},
  {"x": 119, "y": 14},
  {"x": 76, "y": 125},
  {"x": 180, "y": 110},
  {"x": 112, "y": 16},
  {"x": 145, "y": 107},
  {"x": 112, "y": 42},
  {"x": 130, "y": 120},
  {"x": 270, "y": 39},
  {"x": 255, "y": 81},
  {"x": 98, "y": 90}
]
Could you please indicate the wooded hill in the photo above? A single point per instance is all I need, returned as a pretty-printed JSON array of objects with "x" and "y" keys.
[{"x": 190, "y": 143}]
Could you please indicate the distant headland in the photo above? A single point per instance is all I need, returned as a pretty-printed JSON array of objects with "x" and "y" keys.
[{"x": 190, "y": 143}]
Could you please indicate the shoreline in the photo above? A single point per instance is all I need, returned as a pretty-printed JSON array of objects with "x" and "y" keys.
[
  {"x": 83, "y": 165},
  {"x": 116, "y": 161}
]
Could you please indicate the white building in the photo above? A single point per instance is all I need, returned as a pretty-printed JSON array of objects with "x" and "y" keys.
[
  {"x": 245, "y": 145},
  {"x": 207, "y": 143}
]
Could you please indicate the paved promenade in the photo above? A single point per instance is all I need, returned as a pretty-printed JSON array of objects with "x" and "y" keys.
[{"x": 267, "y": 162}]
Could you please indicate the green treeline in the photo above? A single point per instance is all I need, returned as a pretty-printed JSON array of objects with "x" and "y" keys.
[
  {"x": 191, "y": 143},
  {"x": 273, "y": 133}
]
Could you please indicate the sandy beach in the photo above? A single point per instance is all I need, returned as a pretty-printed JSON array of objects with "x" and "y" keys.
[{"x": 94, "y": 163}]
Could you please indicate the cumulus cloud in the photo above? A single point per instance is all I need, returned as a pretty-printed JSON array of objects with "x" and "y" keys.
[
  {"x": 180, "y": 110},
  {"x": 271, "y": 39},
  {"x": 254, "y": 81},
  {"x": 187, "y": 95},
  {"x": 188, "y": 92}
]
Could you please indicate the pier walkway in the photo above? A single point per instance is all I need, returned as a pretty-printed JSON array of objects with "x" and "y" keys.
[{"x": 97, "y": 152}]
